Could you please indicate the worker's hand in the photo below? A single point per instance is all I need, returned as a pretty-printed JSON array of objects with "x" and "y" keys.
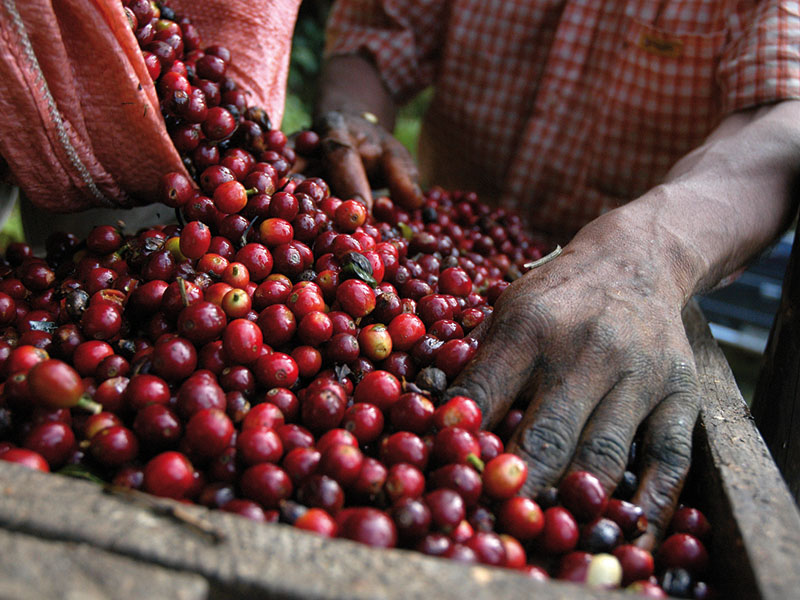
[
  {"x": 359, "y": 155},
  {"x": 594, "y": 341}
]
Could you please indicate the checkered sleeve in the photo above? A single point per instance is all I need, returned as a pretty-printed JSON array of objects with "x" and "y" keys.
[
  {"x": 402, "y": 37},
  {"x": 761, "y": 61}
]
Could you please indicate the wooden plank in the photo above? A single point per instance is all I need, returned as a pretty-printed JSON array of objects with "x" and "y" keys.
[
  {"x": 776, "y": 404},
  {"x": 762, "y": 539},
  {"x": 37, "y": 568},
  {"x": 273, "y": 561}
]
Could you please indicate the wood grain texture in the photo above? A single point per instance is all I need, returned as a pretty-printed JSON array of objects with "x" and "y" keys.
[
  {"x": 32, "y": 567},
  {"x": 761, "y": 540},
  {"x": 776, "y": 404}
]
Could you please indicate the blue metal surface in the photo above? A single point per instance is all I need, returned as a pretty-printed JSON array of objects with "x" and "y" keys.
[{"x": 741, "y": 313}]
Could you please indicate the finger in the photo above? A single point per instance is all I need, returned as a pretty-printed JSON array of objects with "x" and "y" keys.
[
  {"x": 341, "y": 158},
  {"x": 401, "y": 174},
  {"x": 505, "y": 360},
  {"x": 345, "y": 170},
  {"x": 667, "y": 455},
  {"x": 549, "y": 432},
  {"x": 605, "y": 443}
]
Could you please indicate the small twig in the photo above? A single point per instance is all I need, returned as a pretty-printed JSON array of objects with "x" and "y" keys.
[
  {"x": 243, "y": 240},
  {"x": 544, "y": 259},
  {"x": 182, "y": 290}
]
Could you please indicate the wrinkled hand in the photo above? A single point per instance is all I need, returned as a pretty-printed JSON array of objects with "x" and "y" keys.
[
  {"x": 594, "y": 341},
  {"x": 358, "y": 155}
]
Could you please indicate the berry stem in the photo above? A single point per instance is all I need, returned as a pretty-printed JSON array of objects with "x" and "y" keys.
[
  {"x": 182, "y": 290},
  {"x": 243, "y": 240},
  {"x": 89, "y": 405},
  {"x": 475, "y": 462}
]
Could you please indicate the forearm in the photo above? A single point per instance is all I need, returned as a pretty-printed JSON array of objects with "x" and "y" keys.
[
  {"x": 351, "y": 84},
  {"x": 721, "y": 204}
]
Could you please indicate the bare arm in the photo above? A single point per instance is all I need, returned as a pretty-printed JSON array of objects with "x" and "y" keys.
[{"x": 729, "y": 198}]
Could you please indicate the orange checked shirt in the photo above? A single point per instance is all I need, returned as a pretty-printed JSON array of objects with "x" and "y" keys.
[{"x": 565, "y": 109}]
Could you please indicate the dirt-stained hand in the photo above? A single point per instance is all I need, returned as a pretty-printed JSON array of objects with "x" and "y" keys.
[
  {"x": 594, "y": 341},
  {"x": 359, "y": 155}
]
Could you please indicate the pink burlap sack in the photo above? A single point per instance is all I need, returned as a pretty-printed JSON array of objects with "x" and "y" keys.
[{"x": 80, "y": 125}]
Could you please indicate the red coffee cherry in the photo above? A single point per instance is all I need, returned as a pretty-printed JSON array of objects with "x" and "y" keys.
[
  {"x": 583, "y": 495},
  {"x": 169, "y": 474},
  {"x": 560, "y": 534}
]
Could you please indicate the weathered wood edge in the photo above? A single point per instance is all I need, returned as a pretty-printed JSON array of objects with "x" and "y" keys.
[
  {"x": 766, "y": 518},
  {"x": 274, "y": 561},
  {"x": 776, "y": 404},
  {"x": 32, "y": 567}
]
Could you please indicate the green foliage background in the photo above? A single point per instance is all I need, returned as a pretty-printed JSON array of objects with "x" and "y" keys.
[{"x": 305, "y": 63}]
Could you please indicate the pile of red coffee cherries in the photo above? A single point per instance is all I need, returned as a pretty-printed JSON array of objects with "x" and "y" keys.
[{"x": 282, "y": 354}]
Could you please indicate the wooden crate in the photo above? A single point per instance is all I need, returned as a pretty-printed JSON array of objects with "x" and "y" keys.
[
  {"x": 776, "y": 405},
  {"x": 68, "y": 538}
]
